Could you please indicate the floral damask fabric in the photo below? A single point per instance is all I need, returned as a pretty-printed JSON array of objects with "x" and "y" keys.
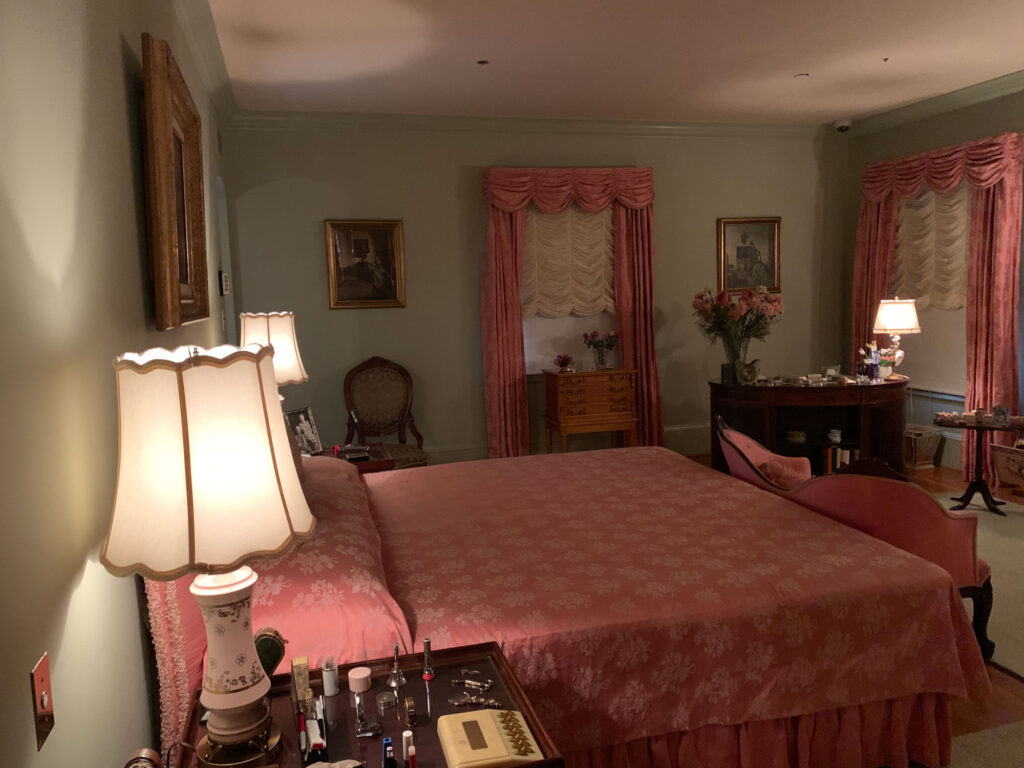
[
  {"x": 636, "y": 593},
  {"x": 329, "y": 597}
]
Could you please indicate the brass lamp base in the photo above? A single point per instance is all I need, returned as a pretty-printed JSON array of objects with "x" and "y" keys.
[{"x": 262, "y": 750}]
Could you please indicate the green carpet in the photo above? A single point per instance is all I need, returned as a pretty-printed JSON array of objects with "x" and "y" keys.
[
  {"x": 995, "y": 748},
  {"x": 1001, "y": 543}
]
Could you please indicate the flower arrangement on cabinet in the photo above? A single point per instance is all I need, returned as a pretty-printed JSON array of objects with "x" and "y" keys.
[
  {"x": 564, "y": 362},
  {"x": 600, "y": 346},
  {"x": 878, "y": 363},
  {"x": 736, "y": 319}
]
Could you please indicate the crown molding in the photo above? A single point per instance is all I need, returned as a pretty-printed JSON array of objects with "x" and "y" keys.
[
  {"x": 196, "y": 22},
  {"x": 330, "y": 121},
  {"x": 947, "y": 102}
]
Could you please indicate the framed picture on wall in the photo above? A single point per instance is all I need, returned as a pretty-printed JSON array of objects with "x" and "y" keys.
[
  {"x": 300, "y": 422},
  {"x": 174, "y": 190},
  {"x": 365, "y": 264},
  {"x": 749, "y": 254}
]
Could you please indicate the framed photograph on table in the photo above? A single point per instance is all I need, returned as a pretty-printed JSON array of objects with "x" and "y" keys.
[
  {"x": 365, "y": 264},
  {"x": 174, "y": 190},
  {"x": 749, "y": 254},
  {"x": 300, "y": 422}
]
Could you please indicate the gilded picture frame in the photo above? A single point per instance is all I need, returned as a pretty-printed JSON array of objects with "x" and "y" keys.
[
  {"x": 750, "y": 253},
  {"x": 365, "y": 263},
  {"x": 174, "y": 190}
]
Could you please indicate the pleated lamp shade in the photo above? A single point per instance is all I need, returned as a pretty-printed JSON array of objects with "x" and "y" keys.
[
  {"x": 205, "y": 480},
  {"x": 278, "y": 330}
]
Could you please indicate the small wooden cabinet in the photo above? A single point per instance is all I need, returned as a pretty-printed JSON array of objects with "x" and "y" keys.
[{"x": 590, "y": 401}]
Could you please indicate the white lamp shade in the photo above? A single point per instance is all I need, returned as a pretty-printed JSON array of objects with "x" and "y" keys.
[
  {"x": 205, "y": 480},
  {"x": 897, "y": 316},
  {"x": 276, "y": 329}
]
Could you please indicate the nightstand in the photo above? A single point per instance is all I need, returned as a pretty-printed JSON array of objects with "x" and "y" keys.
[
  {"x": 380, "y": 460},
  {"x": 487, "y": 658}
]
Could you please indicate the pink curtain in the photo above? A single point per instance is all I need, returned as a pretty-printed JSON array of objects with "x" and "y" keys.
[
  {"x": 993, "y": 167},
  {"x": 630, "y": 191}
]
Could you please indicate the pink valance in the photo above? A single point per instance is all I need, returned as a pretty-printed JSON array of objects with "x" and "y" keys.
[
  {"x": 508, "y": 191},
  {"x": 553, "y": 190},
  {"x": 984, "y": 163}
]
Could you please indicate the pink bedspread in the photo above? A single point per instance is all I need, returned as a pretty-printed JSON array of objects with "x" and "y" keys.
[{"x": 637, "y": 593}]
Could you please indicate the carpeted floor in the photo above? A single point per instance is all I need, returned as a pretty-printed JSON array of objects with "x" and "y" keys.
[
  {"x": 1001, "y": 543},
  {"x": 1001, "y": 747}
]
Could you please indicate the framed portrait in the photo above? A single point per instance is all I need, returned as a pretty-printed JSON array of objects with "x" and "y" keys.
[
  {"x": 300, "y": 422},
  {"x": 365, "y": 264},
  {"x": 749, "y": 254},
  {"x": 174, "y": 190}
]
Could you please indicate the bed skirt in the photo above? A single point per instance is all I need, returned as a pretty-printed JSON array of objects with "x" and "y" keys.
[{"x": 883, "y": 733}]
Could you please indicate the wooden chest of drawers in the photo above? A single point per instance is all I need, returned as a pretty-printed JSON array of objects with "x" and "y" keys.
[{"x": 591, "y": 401}]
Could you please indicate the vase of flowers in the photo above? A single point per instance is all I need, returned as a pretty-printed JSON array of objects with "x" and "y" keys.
[
  {"x": 601, "y": 346},
  {"x": 736, "y": 319},
  {"x": 564, "y": 363}
]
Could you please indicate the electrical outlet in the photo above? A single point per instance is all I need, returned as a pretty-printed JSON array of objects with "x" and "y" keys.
[{"x": 42, "y": 699}]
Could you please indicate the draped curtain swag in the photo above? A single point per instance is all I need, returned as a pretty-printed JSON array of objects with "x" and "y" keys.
[
  {"x": 933, "y": 249},
  {"x": 568, "y": 263},
  {"x": 508, "y": 191},
  {"x": 993, "y": 169}
]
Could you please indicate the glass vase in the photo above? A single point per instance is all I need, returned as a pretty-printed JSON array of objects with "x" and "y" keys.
[
  {"x": 735, "y": 358},
  {"x": 600, "y": 358}
]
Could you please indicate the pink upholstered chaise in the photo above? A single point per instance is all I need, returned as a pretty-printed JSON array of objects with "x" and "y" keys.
[{"x": 898, "y": 512}]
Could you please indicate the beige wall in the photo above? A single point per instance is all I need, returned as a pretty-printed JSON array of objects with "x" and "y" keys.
[
  {"x": 74, "y": 294},
  {"x": 937, "y": 359},
  {"x": 285, "y": 176}
]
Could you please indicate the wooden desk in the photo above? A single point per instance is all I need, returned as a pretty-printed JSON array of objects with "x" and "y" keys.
[
  {"x": 870, "y": 416},
  {"x": 341, "y": 740},
  {"x": 590, "y": 401}
]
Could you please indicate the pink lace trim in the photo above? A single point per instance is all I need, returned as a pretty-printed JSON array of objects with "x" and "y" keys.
[{"x": 169, "y": 643}]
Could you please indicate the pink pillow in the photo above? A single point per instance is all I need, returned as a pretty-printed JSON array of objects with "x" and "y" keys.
[
  {"x": 785, "y": 475},
  {"x": 329, "y": 596}
]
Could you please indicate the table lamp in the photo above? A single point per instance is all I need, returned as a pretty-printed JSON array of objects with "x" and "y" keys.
[
  {"x": 276, "y": 329},
  {"x": 206, "y": 483},
  {"x": 895, "y": 317}
]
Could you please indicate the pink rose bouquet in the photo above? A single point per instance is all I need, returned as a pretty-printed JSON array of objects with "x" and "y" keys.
[{"x": 736, "y": 319}]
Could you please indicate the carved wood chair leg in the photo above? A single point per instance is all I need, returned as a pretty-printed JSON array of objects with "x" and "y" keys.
[{"x": 981, "y": 597}]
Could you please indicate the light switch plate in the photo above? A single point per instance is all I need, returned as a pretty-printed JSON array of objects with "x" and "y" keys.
[{"x": 42, "y": 699}]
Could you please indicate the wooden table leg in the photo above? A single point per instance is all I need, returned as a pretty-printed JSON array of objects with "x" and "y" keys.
[
  {"x": 547, "y": 435},
  {"x": 978, "y": 484},
  {"x": 565, "y": 445}
]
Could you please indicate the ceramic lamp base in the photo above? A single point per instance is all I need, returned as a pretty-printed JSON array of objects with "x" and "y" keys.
[{"x": 235, "y": 685}]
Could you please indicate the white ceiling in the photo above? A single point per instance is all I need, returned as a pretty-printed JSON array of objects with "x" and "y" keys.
[{"x": 724, "y": 61}]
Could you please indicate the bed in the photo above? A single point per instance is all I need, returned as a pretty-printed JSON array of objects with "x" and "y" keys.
[{"x": 655, "y": 611}]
